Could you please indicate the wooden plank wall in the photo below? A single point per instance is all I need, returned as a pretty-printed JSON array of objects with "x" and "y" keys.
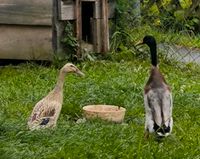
[
  {"x": 26, "y": 29},
  {"x": 26, "y": 12},
  {"x": 25, "y": 42}
]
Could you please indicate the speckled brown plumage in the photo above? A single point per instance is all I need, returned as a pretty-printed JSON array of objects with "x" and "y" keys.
[{"x": 46, "y": 112}]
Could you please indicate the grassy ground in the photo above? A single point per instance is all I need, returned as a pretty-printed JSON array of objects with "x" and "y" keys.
[{"x": 118, "y": 83}]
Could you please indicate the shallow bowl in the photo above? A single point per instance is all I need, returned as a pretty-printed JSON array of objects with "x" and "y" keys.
[{"x": 105, "y": 112}]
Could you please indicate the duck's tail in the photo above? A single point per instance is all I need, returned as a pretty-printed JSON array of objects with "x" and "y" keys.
[
  {"x": 162, "y": 131},
  {"x": 163, "y": 121}
]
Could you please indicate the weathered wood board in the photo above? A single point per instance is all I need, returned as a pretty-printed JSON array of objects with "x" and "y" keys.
[
  {"x": 25, "y": 42},
  {"x": 66, "y": 11},
  {"x": 26, "y": 12},
  {"x": 97, "y": 35}
]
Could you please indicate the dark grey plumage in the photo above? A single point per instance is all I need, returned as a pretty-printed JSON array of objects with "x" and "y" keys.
[{"x": 157, "y": 97}]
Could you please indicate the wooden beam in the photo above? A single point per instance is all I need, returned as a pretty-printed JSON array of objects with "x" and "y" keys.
[
  {"x": 105, "y": 26},
  {"x": 26, "y": 12},
  {"x": 78, "y": 26}
]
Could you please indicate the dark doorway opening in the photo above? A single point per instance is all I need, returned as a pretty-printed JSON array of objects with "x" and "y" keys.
[{"x": 86, "y": 17}]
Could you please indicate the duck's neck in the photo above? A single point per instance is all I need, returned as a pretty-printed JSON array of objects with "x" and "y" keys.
[
  {"x": 60, "y": 81},
  {"x": 153, "y": 51}
]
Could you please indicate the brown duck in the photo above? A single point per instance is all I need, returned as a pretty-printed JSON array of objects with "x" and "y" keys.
[{"x": 46, "y": 112}]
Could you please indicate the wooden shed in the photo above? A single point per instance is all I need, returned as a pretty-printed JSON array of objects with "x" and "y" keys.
[{"x": 32, "y": 30}]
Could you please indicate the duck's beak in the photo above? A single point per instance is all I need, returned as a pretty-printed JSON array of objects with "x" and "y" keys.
[
  {"x": 139, "y": 43},
  {"x": 79, "y": 73}
]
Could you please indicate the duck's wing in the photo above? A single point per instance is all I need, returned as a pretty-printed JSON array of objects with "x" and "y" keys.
[
  {"x": 44, "y": 115},
  {"x": 149, "y": 122},
  {"x": 37, "y": 110},
  {"x": 45, "y": 118},
  {"x": 47, "y": 110},
  {"x": 167, "y": 105},
  {"x": 45, "y": 121},
  {"x": 153, "y": 109}
]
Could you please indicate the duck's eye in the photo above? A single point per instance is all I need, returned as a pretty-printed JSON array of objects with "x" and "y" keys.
[{"x": 71, "y": 65}]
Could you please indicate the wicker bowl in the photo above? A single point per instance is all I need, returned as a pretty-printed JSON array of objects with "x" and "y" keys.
[{"x": 105, "y": 112}]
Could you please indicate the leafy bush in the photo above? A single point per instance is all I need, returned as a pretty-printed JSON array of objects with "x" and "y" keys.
[
  {"x": 172, "y": 15},
  {"x": 70, "y": 42}
]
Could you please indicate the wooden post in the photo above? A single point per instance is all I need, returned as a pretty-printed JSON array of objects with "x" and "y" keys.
[
  {"x": 107, "y": 26},
  {"x": 78, "y": 26},
  {"x": 105, "y": 43}
]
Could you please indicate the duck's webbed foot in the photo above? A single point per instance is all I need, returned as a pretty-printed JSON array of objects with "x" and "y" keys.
[{"x": 146, "y": 135}]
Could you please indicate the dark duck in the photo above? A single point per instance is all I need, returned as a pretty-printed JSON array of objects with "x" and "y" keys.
[{"x": 157, "y": 97}]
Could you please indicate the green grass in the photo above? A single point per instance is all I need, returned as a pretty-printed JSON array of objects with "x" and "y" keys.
[{"x": 118, "y": 83}]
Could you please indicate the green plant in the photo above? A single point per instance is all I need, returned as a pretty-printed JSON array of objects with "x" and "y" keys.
[
  {"x": 119, "y": 38},
  {"x": 70, "y": 42},
  {"x": 172, "y": 14},
  {"x": 127, "y": 14}
]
